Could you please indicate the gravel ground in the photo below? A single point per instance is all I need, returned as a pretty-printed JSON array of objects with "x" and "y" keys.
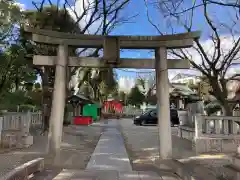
[
  {"x": 142, "y": 146},
  {"x": 77, "y": 146},
  {"x": 142, "y": 143}
]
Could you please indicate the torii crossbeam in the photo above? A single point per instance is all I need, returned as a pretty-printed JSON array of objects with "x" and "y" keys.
[{"x": 111, "y": 58}]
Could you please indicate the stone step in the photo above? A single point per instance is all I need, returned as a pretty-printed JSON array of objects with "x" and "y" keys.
[
  {"x": 70, "y": 174},
  {"x": 67, "y": 174},
  {"x": 231, "y": 172},
  {"x": 190, "y": 171}
]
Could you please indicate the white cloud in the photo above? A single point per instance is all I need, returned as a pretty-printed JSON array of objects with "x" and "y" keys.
[
  {"x": 20, "y": 5},
  {"x": 227, "y": 43},
  {"x": 126, "y": 83},
  {"x": 77, "y": 11},
  {"x": 208, "y": 46}
]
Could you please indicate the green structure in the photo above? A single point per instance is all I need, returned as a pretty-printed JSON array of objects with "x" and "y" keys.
[{"x": 91, "y": 110}]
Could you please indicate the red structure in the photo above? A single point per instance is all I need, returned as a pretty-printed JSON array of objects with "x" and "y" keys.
[
  {"x": 113, "y": 106},
  {"x": 82, "y": 120}
]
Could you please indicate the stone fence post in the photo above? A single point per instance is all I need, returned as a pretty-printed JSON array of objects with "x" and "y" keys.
[
  {"x": 25, "y": 123},
  {"x": 183, "y": 117},
  {"x": 198, "y": 125},
  {"x": 27, "y": 138}
]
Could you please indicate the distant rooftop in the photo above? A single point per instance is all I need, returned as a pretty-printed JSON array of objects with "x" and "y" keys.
[{"x": 183, "y": 75}]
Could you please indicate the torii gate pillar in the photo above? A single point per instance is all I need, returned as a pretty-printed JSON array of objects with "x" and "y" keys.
[
  {"x": 58, "y": 102},
  {"x": 163, "y": 113}
]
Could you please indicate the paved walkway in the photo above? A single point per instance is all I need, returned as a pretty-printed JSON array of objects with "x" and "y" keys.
[{"x": 110, "y": 153}]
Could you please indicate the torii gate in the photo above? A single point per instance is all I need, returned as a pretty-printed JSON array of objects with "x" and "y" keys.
[{"x": 111, "y": 58}]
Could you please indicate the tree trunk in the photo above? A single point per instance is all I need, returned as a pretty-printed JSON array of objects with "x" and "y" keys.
[
  {"x": 44, "y": 77},
  {"x": 68, "y": 92},
  {"x": 221, "y": 95},
  {"x": 226, "y": 109},
  {"x": 47, "y": 83}
]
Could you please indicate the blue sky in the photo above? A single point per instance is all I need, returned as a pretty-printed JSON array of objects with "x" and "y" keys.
[{"x": 141, "y": 26}]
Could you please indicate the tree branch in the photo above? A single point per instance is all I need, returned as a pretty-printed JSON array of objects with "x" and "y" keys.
[{"x": 218, "y": 46}]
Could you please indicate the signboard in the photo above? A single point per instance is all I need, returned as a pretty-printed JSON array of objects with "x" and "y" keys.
[{"x": 111, "y": 50}]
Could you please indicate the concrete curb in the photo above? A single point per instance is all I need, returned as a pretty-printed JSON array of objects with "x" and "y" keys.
[{"x": 22, "y": 172}]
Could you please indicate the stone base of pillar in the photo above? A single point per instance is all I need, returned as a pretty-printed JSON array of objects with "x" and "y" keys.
[{"x": 57, "y": 158}]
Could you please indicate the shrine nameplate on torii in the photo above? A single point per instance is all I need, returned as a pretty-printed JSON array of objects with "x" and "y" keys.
[{"x": 111, "y": 47}]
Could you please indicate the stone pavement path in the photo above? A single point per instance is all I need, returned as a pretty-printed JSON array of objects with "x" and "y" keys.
[{"x": 110, "y": 153}]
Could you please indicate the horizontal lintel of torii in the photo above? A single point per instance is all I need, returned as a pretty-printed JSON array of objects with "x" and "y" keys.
[
  {"x": 124, "y": 44},
  {"x": 174, "y": 41},
  {"x": 93, "y": 62}
]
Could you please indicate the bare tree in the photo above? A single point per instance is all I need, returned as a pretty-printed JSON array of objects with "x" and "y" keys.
[
  {"x": 232, "y": 3},
  {"x": 214, "y": 60},
  {"x": 90, "y": 17}
]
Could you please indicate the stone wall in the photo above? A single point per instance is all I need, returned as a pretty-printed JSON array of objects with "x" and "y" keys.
[
  {"x": 217, "y": 145},
  {"x": 209, "y": 144},
  {"x": 17, "y": 129},
  {"x": 223, "y": 135}
]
